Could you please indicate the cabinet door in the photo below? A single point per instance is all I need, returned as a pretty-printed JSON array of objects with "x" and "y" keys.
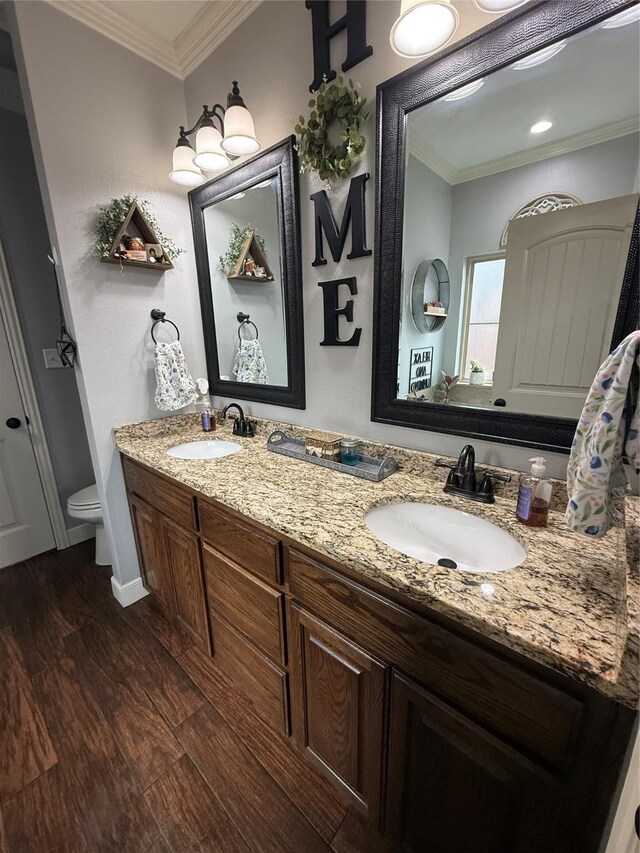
[
  {"x": 150, "y": 544},
  {"x": 183, "y": 556},
  {"x": 453, "y": 786},
  {"x": 337, "y": 707}
]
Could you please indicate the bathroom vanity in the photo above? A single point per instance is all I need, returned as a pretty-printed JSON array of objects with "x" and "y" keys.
[{"x": 447, "y": 705}]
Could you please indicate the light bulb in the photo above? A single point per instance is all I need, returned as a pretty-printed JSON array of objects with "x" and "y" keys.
[
  {"x": 209, "y": 154},
  {"x": 424, "y": 26},
  {"x": 541, "y": 126},
  {"x": 184, "y": 171},
  {"x": 497, "y": 7},
  {"x": 465, "y": 91},
  {"x": 539, "y": 56}
]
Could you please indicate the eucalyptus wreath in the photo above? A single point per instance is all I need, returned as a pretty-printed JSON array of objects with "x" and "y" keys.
[
  {"x": 238, "y": 235},
  {"x": 335, "y": 101},
  {"x": 111, "y": 217}
]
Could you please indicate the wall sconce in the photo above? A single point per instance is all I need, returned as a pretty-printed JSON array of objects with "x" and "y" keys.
[
  {"x": 215, "y": 146},
  {"x": 424, "y": 26}
]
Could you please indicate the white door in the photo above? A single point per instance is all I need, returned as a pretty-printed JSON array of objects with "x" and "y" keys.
[
  {"x": 25, "y": 529},
  {"x": 561, "y": 290}
]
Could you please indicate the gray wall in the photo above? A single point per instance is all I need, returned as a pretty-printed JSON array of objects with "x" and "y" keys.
[
  {"x": 105, "y": 122},
  {"x": 25, "y": 239},
  {"x": 427, "y": 217}
]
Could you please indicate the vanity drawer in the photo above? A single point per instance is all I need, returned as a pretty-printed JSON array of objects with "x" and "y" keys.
[
  {"x": 263, "y": 682},
  {"x": 489, "y": 688},
  {"x": 166, "y": 497},
  {"x": 245, "y": 544},
  {"x": 245, "y": 602}
]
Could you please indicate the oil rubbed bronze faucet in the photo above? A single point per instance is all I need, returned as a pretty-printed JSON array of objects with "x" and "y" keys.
[
  {"x": 241, "y": 426},
  {"x": 462, "y": 479}
]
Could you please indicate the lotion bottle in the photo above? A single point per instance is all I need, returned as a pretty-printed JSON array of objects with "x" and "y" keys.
[
  {"x": 206, "y": 414},
  {"x": 534, "y": 495}
]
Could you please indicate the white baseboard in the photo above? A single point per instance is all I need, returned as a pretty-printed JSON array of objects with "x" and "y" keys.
[
  {"x": 128, "y": 593},
  {"x": 80, "y": 533}
]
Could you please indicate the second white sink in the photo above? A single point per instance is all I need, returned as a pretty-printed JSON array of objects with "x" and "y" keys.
[
  {"x": 215, "y": 448},
  {"x": 448, "y": 537}
]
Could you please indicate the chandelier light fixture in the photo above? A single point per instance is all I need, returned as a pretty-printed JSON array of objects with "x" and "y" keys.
[
  {"x": 423, "y": 27},
  {"x": 234, "y": 136}
]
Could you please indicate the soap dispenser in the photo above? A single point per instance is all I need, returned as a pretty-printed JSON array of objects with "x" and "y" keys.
[
  {"x": 206, "y": 413},
  {"x": 534, "y": 495}
]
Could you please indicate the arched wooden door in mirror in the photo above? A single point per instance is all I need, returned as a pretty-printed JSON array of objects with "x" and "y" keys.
[
  {"x": 247, "y": 239},
  {"x": 513, "y": 158}
]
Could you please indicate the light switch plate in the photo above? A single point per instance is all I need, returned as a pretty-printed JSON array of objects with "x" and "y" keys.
[{"x": 51, "y": 358}]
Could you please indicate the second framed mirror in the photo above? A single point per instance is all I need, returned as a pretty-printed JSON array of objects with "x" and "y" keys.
[{"x": 247, "y": 239}]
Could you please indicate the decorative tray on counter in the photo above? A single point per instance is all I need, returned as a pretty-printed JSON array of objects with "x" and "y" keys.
[{"x": 368, "y": 468}]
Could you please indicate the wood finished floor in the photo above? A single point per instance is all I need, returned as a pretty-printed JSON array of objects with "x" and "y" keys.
[{"x": 117, "y": 734}]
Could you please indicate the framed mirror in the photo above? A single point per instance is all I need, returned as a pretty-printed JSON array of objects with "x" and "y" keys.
[
  {"x": 246, "y": 228},
  {"x": 507, "y": 184}
]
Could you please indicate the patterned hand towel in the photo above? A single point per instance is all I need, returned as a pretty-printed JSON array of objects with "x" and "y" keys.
[
  {"x": 250, "y": 365},
  {"x": 596, "y": 481},
  {"x": 175, "y": 387}
]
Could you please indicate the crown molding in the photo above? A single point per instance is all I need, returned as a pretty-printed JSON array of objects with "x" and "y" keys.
[
  {"x": 434, "y": 161},
  {"x": 211, "y": 26},
  {"x": 427, "y": 155},
  {"x": 102, "y": 17},
  {"x": 179, "y": 56}
]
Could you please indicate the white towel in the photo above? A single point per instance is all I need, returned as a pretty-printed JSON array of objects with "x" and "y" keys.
[
  {"x": 596, "y": 481},
  {"x": 175, "y": 387},
  {"x": 250, "y": 365}
]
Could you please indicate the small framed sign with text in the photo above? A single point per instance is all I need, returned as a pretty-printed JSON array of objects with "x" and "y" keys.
[{"x": 420, "y": 366}]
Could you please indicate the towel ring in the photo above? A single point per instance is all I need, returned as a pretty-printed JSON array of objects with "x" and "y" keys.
[
  {"x": 244, "y": 320},
  {"x": 160, "y": 317}
]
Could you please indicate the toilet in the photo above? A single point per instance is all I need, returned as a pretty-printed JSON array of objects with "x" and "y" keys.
[{"x": 86, "y": 507}]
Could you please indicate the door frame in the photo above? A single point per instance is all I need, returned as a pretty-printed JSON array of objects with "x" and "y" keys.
[{"x": 30, "y": 403}]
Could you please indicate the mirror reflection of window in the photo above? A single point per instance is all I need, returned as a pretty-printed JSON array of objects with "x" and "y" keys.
[
  {"x": 546, "y": 151},
  {"x": 479, "y": 332}
]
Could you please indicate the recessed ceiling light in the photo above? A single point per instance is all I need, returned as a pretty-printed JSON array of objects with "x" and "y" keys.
[
  {"x": 541, "y": 126},
  {"x": 465, "y": 91},
  {"x": 496, "y": 7},
  {"x": 629, "y": 16},
  {"x": 424, "y": 26},
  {"x": 539, "y": 56},
  {"x": 266, "y": 183},
  {"x": 236, "y": 196}
]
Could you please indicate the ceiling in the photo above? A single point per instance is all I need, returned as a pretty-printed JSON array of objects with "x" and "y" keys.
[
  {"x": 590, "y": 90},
  {"x": 177, "y": 35}
]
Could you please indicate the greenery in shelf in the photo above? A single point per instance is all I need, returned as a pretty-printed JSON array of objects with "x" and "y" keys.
[
  {"x": 112, "y": 215},
  {"x": 475, "y": 367},
  {"x": 238, "y": 235}
]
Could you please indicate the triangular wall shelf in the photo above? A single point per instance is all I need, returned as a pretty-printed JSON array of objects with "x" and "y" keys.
[
  {"x": 136, "y": 220},
  {"x": 250, "y": 249}
]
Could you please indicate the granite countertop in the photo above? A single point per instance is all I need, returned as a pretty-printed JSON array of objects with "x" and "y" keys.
[{"x": 572, "y": 605}]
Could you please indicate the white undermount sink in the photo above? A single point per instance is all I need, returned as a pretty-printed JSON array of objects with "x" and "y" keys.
[
  {"x": 214, "y": 448},
  {"x": 448, "y": 537}
]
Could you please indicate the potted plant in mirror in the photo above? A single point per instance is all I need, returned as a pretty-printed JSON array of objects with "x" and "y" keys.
[
  {"x": 476, "y": 376},
  {"x": 434, "y": 308}
]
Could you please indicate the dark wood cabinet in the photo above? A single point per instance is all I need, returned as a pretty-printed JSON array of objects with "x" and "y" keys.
[
  {"x": 168, "y": 550},
  {"x": 454, "y": 786},
  {"x": 183, "y": 556},
  {"x": 443, "y": 739},
  {"x": 337, "y": 707},
  {"x": 152, "y": 555}
]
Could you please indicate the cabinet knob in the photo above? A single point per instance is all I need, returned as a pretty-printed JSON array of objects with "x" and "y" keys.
[{"x": 14, "y": 423}]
